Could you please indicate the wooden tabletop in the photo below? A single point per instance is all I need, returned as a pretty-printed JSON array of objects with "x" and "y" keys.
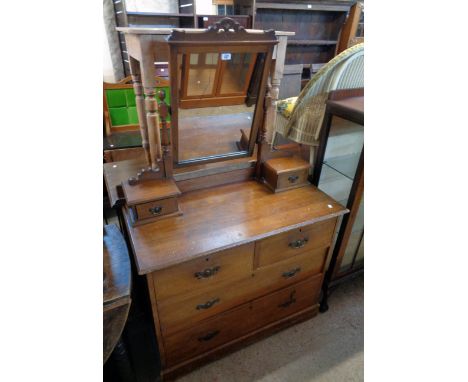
[
  {"x": 117, "y": 277},
  {"x": 351, "y": 108},
  {"x": 223, "y": 217}
]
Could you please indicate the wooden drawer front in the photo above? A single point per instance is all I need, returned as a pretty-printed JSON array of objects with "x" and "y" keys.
[
  {"x": 157, "y": 208},
  {"x": 205, "y": 273},
  {"x": 207, "y": 335},
  {"x": 294, "y": 242},
  {"x": 286, "y": 301},
  {"x": 182, "y": 311},
  {"x": 292, "y": 178},
  {"x": 292, "y": 270}
]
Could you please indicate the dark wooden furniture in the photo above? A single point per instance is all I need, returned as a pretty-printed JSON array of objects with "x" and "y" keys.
[
  {"x": 176, "y": 14},
  {"x": 204, "y": 21},
  {"x": 240, "y": 262},
  {"x": 339, "y": 171},
  {"x": 353, "y": 29},
  {"x": 317, "y": 26},
  {"x": 117, "y": 286}
]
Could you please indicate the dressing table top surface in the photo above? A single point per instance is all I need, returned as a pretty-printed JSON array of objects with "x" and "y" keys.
[{"x": 224, "y": 217}]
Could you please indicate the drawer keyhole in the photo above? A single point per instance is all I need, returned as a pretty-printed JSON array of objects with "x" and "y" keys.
[
  {"x": 207, "y": 304},
  {"x": 298, "y": 243},
  {"x": 208, "y": 272},
  {"x": 155, "y": 210},
  {"x": 208, "y": 336}
]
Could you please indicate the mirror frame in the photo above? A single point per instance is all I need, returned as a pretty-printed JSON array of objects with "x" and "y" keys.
[{"x": 224, "y": 35}]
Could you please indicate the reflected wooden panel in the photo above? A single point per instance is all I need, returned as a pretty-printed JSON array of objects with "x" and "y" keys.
[
  {"x": 200, "y": 74},
  {"x": 212, "y": 131},
  {"x": 237, "y": 72}
]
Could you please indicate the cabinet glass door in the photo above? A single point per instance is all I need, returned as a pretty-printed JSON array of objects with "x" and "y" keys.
[{"x": 344, "y": 145}]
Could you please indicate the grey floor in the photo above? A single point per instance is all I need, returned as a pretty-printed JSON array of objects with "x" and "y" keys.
[{"x": 327, "y": 348}]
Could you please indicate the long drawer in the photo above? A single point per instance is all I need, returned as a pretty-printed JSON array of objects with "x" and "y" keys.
[
  {"x": 181, "y": 311},
  {"x": 293, "y": 242},
  {"x": 241, "y": 320}
]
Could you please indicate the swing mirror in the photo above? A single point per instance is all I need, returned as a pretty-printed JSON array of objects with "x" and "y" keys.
[{"x": 218, "y": 81}]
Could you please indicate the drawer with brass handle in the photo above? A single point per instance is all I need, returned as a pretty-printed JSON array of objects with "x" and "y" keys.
[
  {"x": 207, "y": 334},
  {"x": 156, "y": 208},
  {"x": 287, "y": 301},
  {"x": 205, "y": 273},
  {"x": 291, "y": 270},
  {"x": 285, "y": 173},
  {"x": 185, "y": 310},
  {"x": 294, "y": 242}
]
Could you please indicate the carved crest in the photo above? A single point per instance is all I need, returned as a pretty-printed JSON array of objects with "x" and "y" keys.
[
  {"x": 225, "y": 30},
  {"x": 225, "y": 25}
]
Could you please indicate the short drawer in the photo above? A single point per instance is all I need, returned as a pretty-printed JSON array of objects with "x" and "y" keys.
[
  {"x": 294, "y": 242},
  {"x": 291, "y": 270},
  {"x": 292, "y": 178},
  {"x": 207, "y": 272},
  {"x": 285, "y": 302},
  {"x": 207, "y": 335},
  {"x": 156, "y": 208}
]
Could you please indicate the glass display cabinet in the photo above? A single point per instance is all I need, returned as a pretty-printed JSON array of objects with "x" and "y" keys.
[{"x": 339, "y": 172}]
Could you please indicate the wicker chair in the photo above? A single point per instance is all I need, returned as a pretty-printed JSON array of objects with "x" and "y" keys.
[{"x": 300, "y": 118}]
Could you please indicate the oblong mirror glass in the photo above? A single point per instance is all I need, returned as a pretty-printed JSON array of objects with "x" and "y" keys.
[{"x": 216, "y": 103}]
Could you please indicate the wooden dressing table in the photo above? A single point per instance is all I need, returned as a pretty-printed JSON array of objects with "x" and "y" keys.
[{"x": 241, "y": 261}]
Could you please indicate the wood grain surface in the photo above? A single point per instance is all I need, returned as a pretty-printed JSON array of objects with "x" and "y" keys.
[{"x": 224, "y": 217}]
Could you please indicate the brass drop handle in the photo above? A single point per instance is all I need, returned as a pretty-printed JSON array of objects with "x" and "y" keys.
[
  {"x": 292, "y": 300},
  {"x": 208, "y": 272},
  {"x": 291, "y": 273},
  {"x": 207, "y": 304},
  {"x": 298, "y": 243},
  {"x": 293, "y": 178},
  {"x": 155, "y": 210},
  {"x": 208, "y": 336}
]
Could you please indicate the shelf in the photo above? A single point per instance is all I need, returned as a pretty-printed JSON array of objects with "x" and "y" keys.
[
  {"x": 344, "y": 6},
  {"x": 312, "y": 42},
  {"x": 345, "y": 165},
  {"x": 335, "y": 184},
  {"x": 150, "y": 14}
]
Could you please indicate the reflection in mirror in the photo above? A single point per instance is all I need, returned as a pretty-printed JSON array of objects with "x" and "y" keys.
[{"x": 213, "y": 117}]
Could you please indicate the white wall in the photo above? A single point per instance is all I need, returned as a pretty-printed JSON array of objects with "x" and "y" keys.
[
  {"x": 205, "y": 7},
  {"x": 163, "y": 6},
  {"x": 108, "y": 71}
]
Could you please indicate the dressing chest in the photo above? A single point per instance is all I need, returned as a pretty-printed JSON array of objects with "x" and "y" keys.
[
  {"x": 241, "y": 262},
  {"x": 233, "y": 260}
]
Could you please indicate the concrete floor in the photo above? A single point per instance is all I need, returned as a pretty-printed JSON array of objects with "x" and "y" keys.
[{"x": 327, "y": 348}]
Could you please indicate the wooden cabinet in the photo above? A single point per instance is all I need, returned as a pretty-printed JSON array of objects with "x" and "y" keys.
[
  {"x": 339, "y": 171},
  {"x": 317, "y": 26},
  {"x": 240, "y": 261}
]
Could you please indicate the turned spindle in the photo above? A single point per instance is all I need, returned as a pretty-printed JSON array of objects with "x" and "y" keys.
[{"x": 152, "y": 121}]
